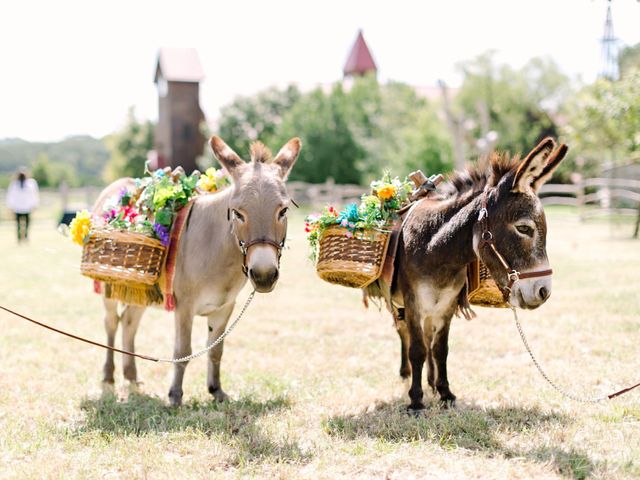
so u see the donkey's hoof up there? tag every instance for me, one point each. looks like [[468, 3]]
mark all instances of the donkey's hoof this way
[[448, 401], [175, 398], [108, 389], [218, 394]]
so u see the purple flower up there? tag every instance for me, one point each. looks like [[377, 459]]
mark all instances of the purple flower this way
[[162, 233]]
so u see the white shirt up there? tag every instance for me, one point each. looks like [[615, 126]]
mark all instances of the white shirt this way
[[23, 199]]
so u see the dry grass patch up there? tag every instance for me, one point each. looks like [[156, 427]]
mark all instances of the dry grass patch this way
[[313, 377]]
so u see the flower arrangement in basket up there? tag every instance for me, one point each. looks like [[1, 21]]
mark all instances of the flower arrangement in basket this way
[[348, 247], [125, 244]]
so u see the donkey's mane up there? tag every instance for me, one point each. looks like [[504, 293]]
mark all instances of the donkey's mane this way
[[486, 172], [260, 153]]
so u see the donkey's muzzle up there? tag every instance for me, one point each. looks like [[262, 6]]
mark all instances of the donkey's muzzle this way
[[264, 279]]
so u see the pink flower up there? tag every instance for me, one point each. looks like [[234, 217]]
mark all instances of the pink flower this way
[[349, 234]]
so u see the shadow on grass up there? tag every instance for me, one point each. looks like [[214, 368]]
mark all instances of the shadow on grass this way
[[233, 423], [468, 426]]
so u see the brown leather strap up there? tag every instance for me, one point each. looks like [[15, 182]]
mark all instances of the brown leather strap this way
[[538, 273], [85, 340], [623, 391], [266, 241]]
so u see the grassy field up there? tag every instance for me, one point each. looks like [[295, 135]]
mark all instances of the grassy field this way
[[313, 377]]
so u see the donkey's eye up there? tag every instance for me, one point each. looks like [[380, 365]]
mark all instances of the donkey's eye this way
[[283, 212], [525, 230], [238, 216]]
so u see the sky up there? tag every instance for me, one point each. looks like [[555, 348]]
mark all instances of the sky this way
[[74, 67]]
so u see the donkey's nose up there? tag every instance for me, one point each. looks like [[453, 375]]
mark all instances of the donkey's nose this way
[[264, 278], [543, 293]]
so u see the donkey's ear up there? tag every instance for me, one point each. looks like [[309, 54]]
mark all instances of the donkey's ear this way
[[532, 166], [225, 155], [287, 156], [552, 163]]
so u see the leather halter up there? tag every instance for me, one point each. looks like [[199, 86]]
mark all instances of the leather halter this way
[[245, 246], [487, 239]]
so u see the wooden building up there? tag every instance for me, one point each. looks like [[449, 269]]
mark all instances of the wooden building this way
[[178, 140]]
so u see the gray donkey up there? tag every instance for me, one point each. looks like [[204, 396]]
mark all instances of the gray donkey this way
[[230, 236]]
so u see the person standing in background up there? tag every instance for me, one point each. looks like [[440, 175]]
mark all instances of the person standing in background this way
[[22, 198]]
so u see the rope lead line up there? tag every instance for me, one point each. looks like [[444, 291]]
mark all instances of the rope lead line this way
[[560, 390], [217, 341], [139, 355]]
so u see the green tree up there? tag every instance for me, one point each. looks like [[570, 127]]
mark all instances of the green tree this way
[[629, 59], [129, 148], [398, 130], [604, 122], [256, 117], [329, 147], [49, 174], [520, 104], [41, 171]]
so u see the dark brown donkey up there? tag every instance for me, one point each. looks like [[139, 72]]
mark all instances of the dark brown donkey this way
[[492, 203]]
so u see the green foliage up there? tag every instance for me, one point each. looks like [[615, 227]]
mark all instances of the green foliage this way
[[349, 135], [129, 148], [329, 147], [519, 103], [255, 118], [49, 174], [398, 130], [604, 122], [629, 59], [78, 160]]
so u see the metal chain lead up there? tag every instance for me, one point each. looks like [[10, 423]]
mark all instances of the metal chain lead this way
[[545, 376], [216, 342]]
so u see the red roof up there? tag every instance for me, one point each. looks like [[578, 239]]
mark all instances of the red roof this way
[[360, 60]]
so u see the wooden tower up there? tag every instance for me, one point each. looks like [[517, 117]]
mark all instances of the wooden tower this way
[[178, 140]]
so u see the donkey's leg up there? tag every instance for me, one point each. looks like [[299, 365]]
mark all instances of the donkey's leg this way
[[130, 321], [403, 333], [440, 351], [428, 340], [182, 348], [217, 322], [417, 352], [111, 320]]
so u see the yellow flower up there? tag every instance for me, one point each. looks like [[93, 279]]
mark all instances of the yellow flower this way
[[386, 191], [80, 227], [207, 181]]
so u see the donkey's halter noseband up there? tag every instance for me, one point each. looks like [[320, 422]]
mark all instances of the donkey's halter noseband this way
[[245, 246], [487, 239]]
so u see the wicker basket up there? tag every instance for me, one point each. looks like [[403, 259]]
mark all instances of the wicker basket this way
[[351, 261], [124, 258], [483, 290]]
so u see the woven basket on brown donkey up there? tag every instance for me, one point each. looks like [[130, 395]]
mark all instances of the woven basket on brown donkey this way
[[232, 236], [490, 211]]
